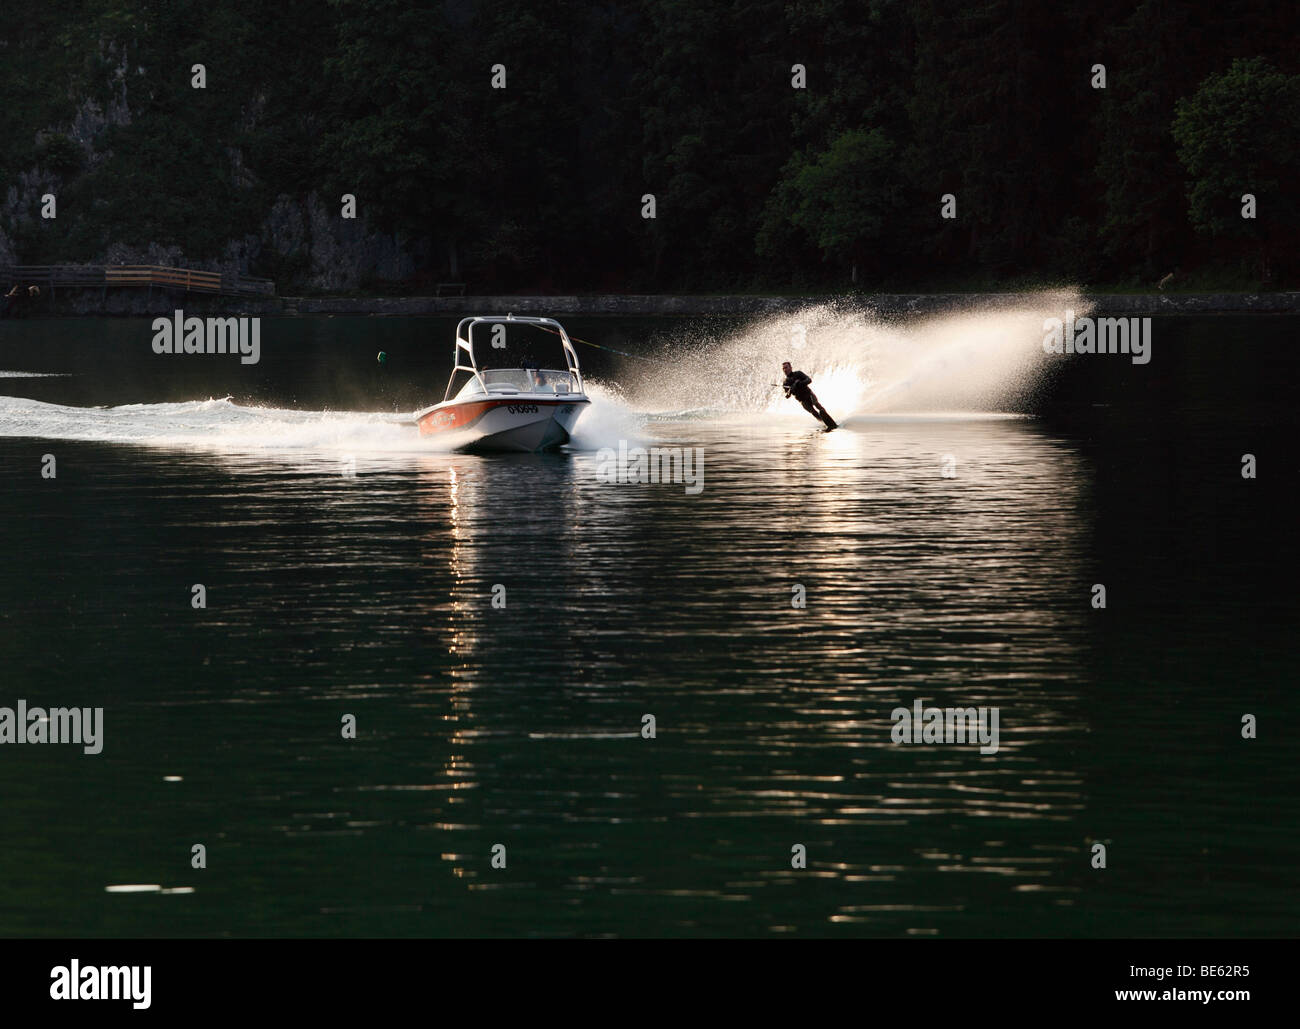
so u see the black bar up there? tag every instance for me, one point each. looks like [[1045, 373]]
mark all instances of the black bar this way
[[869, 977]]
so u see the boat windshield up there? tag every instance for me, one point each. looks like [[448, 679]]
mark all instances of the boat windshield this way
[[470, 388], [528, 380]]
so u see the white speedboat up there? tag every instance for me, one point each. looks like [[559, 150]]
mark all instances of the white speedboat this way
[[522, 408]]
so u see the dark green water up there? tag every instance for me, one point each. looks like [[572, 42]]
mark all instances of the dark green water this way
[[371, 596]]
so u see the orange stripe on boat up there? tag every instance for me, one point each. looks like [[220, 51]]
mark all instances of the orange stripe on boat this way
[[462, 416]]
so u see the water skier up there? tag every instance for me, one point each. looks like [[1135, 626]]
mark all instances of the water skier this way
[[796, 385]]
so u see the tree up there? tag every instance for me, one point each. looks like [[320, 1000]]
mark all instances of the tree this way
[[842, 198], [401, 118], [1240, 133]]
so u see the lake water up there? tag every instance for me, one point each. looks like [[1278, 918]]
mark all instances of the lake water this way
[[946, 540]]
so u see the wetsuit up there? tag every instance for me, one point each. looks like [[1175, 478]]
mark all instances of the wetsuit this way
[[796, 385]]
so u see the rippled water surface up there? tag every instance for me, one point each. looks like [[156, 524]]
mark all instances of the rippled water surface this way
[[521, 725]]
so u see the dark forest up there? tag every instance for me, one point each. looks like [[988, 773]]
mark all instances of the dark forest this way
[[765, 177]]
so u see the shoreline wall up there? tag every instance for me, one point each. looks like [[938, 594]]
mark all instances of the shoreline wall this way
[[94, 302]]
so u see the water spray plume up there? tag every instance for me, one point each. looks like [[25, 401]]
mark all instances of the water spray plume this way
[[861, 363]]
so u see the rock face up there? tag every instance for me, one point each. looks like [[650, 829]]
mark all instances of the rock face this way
[[91, 118], [329, 253], [303, 238], [23, 197], [338, 253]]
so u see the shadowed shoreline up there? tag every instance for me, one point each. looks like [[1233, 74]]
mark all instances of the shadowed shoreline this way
[[77, 303]]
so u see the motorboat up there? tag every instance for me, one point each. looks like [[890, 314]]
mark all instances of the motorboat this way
[[525, 407]]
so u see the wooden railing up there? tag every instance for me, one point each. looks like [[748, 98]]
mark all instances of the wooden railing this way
[[89, 276], [144, 275]]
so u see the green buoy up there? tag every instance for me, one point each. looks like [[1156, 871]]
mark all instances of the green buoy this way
[[382, 357]]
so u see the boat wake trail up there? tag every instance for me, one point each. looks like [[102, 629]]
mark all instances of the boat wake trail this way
[[210, 424], [223, 425], [862, 364]]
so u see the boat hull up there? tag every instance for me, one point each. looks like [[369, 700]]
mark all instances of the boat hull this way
[[517, 423]]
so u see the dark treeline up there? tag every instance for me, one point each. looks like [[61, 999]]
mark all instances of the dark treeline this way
[[757, 184]]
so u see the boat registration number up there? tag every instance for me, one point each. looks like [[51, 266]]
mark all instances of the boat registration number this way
[[522, 408]]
